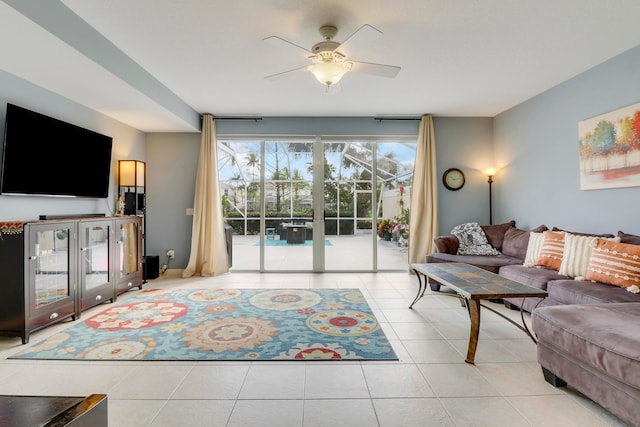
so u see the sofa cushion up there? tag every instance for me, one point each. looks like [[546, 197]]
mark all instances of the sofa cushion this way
[[582, 234], [446, 244], [472, 240], [489, 263], [533, 248], [495, 233], [615, 264], [577, 253], [540, 229], [629, 238], [552, 250], [595, 335], [516, 241], [531, 303], [588, 292], [536, 277]]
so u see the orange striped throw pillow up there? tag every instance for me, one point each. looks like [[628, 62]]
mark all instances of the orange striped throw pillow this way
[[615, 264], [577, 253], [552, 250]]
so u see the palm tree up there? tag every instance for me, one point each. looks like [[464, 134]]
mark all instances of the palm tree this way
[[297, 186], [252, 162]]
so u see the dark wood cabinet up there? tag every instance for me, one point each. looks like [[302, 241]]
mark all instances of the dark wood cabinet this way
[[52, 270], [38, 265]]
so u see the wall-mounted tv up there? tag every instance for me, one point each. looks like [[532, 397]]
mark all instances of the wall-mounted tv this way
[[46, 156]]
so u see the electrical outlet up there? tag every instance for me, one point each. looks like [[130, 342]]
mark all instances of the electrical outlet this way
[[171, 254]]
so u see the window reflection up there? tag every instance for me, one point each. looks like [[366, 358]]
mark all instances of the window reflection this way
[[95, 255], [128, 248], [52, 266]]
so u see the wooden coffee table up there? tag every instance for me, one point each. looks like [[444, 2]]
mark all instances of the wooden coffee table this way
[[472, 284]]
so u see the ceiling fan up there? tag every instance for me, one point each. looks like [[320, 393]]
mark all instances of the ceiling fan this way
[[331, 60]]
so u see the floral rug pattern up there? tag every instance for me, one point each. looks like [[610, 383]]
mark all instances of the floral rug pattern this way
[[225, 324]]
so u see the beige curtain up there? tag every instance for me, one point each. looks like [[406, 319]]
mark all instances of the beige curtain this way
[[208, 244], [423, 223]]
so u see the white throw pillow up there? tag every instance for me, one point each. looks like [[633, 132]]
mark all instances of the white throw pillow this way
[[533, 248], [577, 252]]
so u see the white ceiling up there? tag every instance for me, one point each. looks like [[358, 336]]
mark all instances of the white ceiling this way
[[458, 57]]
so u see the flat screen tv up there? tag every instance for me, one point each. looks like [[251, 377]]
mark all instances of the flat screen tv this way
[[46, 156]]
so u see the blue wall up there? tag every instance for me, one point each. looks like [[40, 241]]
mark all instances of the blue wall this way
[[536, 144], [172, 160], [465, 143]]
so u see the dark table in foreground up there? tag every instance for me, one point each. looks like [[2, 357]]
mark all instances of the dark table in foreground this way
[[473, 284], [53, 411]]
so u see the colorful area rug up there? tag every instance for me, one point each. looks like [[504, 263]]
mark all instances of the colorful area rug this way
[[225, 324], [274, 242]]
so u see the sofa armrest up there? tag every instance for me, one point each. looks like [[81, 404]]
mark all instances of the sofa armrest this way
[[446, 244]]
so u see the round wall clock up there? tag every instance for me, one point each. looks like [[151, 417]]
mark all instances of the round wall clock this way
[[453, 179]]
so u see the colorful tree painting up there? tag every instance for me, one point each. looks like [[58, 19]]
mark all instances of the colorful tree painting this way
[[609, 149]]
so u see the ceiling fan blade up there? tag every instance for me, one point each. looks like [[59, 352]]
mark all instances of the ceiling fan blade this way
[[282, 43], [375, 69], [363, 36], [285, 73]]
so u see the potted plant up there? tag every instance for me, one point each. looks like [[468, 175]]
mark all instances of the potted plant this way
[[384, 229], [402, 234], [402, 227]]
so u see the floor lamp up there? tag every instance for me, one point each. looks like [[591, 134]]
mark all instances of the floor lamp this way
[[132, 178], [490, 172]]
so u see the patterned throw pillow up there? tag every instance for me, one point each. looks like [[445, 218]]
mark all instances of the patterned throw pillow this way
[[533, 249], [577, 253], [615, 264], [552, 250], [472, 240]]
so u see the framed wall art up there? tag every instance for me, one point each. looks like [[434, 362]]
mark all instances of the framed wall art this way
[[609, 147]]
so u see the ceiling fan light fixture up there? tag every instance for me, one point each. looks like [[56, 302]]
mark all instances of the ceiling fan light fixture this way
[[329, 73], [329, 58]]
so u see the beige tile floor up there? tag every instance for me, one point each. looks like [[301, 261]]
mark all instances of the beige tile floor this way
[[430, 385]]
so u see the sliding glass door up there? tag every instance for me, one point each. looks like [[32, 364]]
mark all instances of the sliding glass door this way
[[288, 205], [303, 204], [394, 169], [240, 171], [349, 200]]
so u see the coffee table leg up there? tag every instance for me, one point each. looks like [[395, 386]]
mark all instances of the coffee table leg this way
[[421, 288], [474, 312]]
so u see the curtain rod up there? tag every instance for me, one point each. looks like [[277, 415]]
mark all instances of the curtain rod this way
[[255, 119], [396, 118]]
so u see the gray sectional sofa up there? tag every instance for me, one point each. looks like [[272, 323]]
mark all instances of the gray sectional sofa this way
[[587, 332]]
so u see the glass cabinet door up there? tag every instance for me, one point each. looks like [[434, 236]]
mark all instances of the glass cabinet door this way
[[95, 255], [52, 276], [128, 247]]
